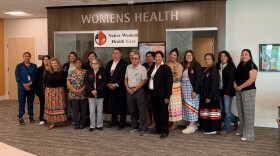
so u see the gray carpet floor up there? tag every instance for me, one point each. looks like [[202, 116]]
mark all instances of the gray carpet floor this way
[[67, 141]]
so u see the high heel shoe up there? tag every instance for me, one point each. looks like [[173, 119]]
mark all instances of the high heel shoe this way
[[173, 126]]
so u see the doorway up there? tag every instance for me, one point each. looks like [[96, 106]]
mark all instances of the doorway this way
[[16, 48]]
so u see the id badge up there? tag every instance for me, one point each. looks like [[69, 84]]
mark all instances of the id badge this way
[[28, 77]]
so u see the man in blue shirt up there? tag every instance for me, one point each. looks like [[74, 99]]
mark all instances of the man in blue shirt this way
[[25, 74]]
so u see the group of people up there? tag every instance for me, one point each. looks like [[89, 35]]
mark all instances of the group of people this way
[[158, 94]]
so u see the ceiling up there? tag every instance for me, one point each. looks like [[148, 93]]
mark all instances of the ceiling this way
[[37, 8]]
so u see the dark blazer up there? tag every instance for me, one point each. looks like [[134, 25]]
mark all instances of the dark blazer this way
[[39, 80], [228, 79], [118, 75], [210, 84], [65, 67], [195, 76], [101, 81], [162, 81]]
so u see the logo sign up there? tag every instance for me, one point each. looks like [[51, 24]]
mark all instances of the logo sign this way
[[100, 38], [116, 38]]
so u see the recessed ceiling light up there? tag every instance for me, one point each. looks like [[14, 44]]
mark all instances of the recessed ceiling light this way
[[17, 13]]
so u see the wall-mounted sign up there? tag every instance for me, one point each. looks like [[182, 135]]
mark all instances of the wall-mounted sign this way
[[116, 38], [160, 16]]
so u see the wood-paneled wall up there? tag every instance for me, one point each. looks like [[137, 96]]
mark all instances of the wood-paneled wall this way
[[2, 58], [191, 14]]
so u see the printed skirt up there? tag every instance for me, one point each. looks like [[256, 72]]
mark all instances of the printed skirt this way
[[190, 106], [55, 109], [210, 116], [175, 105]]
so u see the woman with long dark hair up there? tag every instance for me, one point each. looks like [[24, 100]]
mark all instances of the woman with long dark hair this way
[[40, 86], [227, 71], [191, 82], [246, 74], [175, 105]]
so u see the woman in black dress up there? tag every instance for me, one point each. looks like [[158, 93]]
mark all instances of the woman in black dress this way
[[40, 86]]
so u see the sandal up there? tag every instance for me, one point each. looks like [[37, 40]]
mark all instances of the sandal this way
[[51, 126]]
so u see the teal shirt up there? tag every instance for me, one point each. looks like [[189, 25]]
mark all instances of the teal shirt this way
[[25, 74]]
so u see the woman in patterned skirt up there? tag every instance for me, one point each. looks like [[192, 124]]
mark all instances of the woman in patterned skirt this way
[[191, 81], [55, 109], [210, 113], [175, 105]]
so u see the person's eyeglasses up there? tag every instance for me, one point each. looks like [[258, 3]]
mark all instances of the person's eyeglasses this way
[[94, 63], [134, 58]]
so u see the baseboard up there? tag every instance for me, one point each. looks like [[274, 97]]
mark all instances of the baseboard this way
[[2, 98]]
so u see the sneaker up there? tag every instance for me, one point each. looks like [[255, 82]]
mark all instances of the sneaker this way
[[243, 139], [100, 128], [31, 119], [143, 132], [21, 121], [238, 134], [189, 129], [210, 133], [132, 129], [41, 122], [223, 132]]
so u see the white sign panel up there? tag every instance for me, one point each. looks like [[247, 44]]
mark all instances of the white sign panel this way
[[116, 38]]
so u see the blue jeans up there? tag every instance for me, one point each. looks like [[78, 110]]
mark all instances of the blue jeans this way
[[24, 95], [229, 117], [96, 105]]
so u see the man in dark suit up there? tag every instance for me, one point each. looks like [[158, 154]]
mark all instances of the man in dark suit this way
[[115, 71]]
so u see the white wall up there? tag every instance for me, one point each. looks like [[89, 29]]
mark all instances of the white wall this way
[[26, 28], [248, 24]]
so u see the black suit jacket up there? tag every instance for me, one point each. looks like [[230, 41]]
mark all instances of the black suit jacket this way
[[228, 79], [162, 81], [118, 75]]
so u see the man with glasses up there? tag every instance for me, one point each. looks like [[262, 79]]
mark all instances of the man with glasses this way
[[135, 79]]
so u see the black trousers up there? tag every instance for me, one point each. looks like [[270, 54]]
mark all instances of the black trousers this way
[[118, 106], [161, 115], [79, 108], [137, 105], [42, 107]]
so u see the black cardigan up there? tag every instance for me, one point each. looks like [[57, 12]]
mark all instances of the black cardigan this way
[[228, 79], [101, 81], [39, 79], [195, 76], [210, 84], [162, 81]]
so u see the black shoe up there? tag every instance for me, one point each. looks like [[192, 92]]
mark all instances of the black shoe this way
[[163, 135], [21, 121], [112, 124], [91, 129], [31, 119], [100, 128], [155, 132], [121, 127], [82, 127], [77, 127]]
